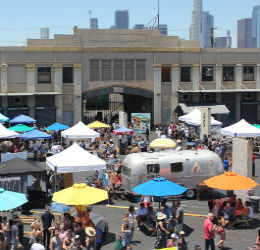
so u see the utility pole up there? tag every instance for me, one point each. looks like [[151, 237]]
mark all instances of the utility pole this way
[[212, 37]]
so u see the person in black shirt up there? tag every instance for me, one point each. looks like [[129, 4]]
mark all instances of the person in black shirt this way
[[47, 221]]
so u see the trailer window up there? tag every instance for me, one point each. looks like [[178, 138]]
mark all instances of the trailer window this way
[[176, 167], [125, 170], [153, 169]]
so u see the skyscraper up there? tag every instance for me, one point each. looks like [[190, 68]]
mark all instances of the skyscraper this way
[[44, 33], [93, 23], [195, 28], [122, 19], [138, 26], [201, 24], [256, 27], [207, 22], [163, 29], [244, 33]]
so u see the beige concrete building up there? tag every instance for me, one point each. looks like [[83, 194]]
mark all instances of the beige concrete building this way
[[99, 72]]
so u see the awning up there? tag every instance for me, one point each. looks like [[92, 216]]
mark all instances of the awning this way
[[218, 90], [215, 109], [30, 94]]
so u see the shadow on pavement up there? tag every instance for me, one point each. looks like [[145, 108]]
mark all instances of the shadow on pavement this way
[[188, 230], [111, 237], [255, 223]]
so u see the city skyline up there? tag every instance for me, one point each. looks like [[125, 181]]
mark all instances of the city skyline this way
[[21, 23]]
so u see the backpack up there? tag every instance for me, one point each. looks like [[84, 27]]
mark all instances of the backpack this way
[[119, 245]]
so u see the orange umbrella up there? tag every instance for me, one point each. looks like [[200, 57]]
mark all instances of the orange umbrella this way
[[231, 181]]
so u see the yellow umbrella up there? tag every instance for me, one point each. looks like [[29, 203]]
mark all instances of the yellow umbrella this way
[[98, 124], [163, 143], [80, 194]]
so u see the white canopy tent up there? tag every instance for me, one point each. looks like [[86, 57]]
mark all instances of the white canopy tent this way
[[79, 131], [5, 133], [197, 122], [193, 114], [241, 129], [75, 159]]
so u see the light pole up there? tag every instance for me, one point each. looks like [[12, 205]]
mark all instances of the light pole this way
[[158, 14]]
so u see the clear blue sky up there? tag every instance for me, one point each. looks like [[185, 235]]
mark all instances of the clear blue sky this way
[[22, 19]]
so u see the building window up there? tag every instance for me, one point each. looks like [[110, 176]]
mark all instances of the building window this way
[[67, 74], [228, 74], [207, 74], [176, 167], [118, 70], [185, 97], [207, 97], [140, 70], [44, 74], [94, 70], [17, 100], [166, 74], [248, 73], [185, 74], [129, 70], [106, 70]]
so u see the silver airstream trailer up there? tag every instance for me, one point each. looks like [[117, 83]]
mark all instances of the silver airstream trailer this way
[[187, 167]]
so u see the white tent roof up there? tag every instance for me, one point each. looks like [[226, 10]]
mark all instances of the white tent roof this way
[[79, 131], [197, 122], [75, 159], [193, 114], [5, 133], [241, 129]]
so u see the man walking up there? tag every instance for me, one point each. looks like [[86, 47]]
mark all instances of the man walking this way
[[14, 235], [179, 217], [209, 232], [47, 221]]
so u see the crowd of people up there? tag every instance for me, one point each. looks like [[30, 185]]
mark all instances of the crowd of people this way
[[66, 233], [166, 223]]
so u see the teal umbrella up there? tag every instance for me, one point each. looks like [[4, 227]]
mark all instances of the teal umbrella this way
[[256, 125], [10, 200], [20, 128]]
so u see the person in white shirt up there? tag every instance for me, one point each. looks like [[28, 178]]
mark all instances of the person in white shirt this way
[[249, 210], [141, 215], [37, 245]]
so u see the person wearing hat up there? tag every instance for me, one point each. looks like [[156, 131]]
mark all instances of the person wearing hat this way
[[197, 246], [173, 240], [182, 243], [90, 238], [161, 237]]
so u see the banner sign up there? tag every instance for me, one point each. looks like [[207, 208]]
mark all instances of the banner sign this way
[[141, 121]]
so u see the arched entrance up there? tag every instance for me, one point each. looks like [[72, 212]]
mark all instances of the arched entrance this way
[[105, 103]]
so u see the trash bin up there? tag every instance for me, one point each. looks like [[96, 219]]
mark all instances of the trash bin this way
[[255, 203]]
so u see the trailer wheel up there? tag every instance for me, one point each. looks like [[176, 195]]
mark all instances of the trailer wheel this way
[[190, 193]]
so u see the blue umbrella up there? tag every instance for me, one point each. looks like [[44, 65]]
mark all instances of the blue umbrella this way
[[123, 131], [10, 200], [56, 126], [59, 207], [159, 187], [35, 134], [22, 119]]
